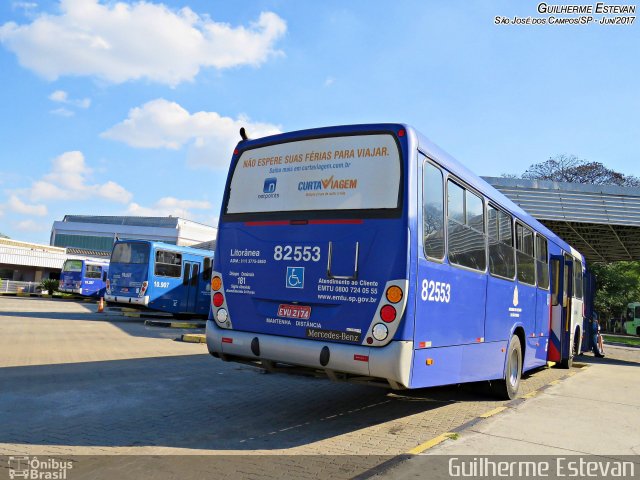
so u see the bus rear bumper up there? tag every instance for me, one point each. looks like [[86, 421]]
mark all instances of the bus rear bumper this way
[[357, 363], [70, 290], [144, 301]]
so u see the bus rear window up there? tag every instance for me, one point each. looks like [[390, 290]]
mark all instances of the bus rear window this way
[[130, 253], [72, 266], [360, 172]]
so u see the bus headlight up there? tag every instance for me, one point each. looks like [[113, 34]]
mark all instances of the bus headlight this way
[[222, 315], [380, 331]]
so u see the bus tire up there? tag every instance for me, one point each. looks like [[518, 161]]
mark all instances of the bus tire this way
[[575, 347], [507, 388]]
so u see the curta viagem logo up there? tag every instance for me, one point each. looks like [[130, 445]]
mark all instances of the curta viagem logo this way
[[330, 183]]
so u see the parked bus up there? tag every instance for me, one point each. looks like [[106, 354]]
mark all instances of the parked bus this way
[[86, 277], [367, 253], [160, 276], [632, 322]]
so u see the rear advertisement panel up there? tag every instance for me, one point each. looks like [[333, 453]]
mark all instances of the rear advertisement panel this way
[[335, 173]]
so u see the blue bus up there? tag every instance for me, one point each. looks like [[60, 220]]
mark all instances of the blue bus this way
[[367, 253], [86, 277], [160, 276]]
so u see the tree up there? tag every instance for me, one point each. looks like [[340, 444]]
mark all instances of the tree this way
[[617, 285], [569, 168]]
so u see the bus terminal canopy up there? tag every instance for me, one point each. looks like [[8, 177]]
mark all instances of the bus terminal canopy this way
[[601, 221]]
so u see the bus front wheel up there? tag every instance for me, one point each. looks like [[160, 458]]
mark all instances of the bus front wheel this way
[[507, 388]]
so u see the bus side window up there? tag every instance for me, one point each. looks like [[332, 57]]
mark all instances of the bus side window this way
[[187, 274], [577, 279], [500, 232], [542, 260], [168, 264], [206, 270], [555, 274], [465, 224], [194, 273], [433, 212], [92, 271], [524, 255]]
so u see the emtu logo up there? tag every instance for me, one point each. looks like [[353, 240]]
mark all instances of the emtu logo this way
[[270, 185]]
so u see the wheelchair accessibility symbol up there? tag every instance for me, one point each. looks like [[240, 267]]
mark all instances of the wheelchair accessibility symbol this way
[[295, 277]]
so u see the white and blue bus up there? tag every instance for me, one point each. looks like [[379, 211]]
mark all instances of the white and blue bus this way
[[85, 277], [367, 253], [160, 276]]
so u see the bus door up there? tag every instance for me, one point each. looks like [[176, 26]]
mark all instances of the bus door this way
[[190, 286], [560, 308], [588, 292]]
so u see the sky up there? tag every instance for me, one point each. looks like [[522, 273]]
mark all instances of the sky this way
[[133, 107]]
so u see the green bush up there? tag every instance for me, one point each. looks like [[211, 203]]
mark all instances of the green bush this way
[[49, 285]]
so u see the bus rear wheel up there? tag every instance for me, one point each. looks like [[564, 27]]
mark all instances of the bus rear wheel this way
[[575, 348], [507, 388]]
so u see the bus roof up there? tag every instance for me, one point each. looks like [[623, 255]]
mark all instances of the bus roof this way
[[431, 150], [169, 246]]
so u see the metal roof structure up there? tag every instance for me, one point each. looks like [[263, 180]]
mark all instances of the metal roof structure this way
[[96, 233], [601, 221]]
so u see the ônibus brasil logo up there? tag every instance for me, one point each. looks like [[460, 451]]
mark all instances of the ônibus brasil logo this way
[[328, 184]]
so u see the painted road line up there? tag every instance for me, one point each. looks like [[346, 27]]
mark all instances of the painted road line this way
[[493, 412], [431, 443]]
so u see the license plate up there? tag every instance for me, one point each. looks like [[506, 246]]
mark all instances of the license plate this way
[[124, 290], [294, 311]]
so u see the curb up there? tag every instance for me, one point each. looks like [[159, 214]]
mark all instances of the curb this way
[[194, 338], [168, 324], [48, 297], [455, 432], [616, 344]]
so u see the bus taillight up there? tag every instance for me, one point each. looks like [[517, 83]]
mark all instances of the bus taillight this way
[[388, 313], [222, 315], [108, 286], [394, 294], [218, 299], [380, 332], [216, 283], [145, 285]]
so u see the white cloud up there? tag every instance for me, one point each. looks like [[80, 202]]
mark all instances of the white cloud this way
[[18, 206], [69, 180], [163, 124], [60, 96], [27, 6], [329, 81], [30, 226], [117, 42], [170, 206], [62, 112]]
